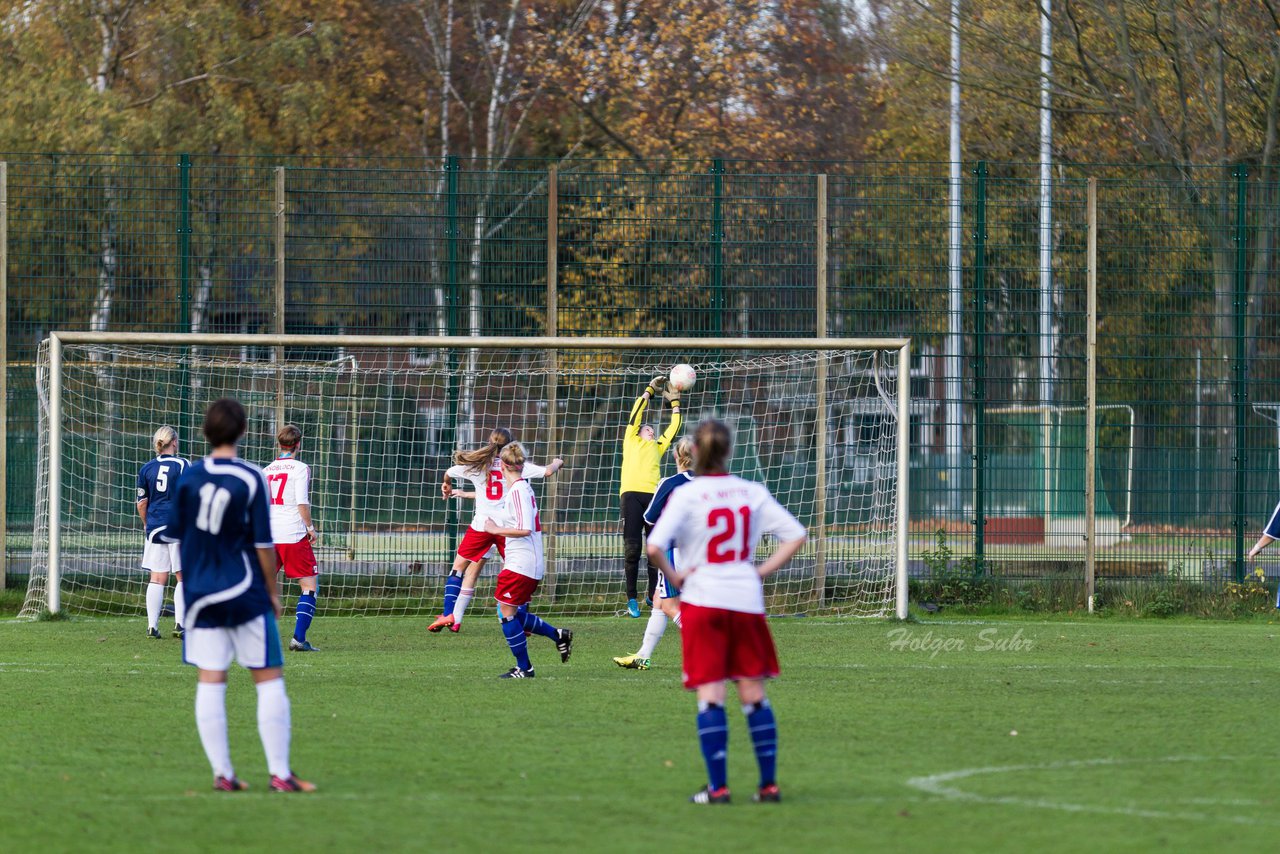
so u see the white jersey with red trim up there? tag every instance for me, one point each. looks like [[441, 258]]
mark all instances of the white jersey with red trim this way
[[490, 489], [524, 554], [288, 484], [716, 523]]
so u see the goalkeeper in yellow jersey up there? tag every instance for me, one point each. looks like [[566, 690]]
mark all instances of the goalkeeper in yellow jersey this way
[[642, 451]]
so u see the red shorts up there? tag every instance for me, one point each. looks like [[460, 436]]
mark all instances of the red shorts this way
[[475, 544], [298, 560], [514, 589], [721, 644]]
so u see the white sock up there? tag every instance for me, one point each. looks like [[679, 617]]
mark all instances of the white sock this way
[[211, 722], [274, 726], [179, 606], [653, 632], [460, 605], [155, 601], [676, 620]]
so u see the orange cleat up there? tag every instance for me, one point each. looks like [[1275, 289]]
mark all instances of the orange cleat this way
[[442, 621]]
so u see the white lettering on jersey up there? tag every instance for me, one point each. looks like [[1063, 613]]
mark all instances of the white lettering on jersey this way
[[490, 489], [716, 523], [288, 485]]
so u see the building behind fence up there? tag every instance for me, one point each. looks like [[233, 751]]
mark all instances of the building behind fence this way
[[1188, 376]]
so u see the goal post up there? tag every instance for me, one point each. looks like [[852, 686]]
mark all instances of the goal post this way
[[381, 416]]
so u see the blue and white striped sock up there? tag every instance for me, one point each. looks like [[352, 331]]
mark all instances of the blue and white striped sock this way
[[713, 735], [764, 737], [452, 584], [537, 625], [305, 613], [513, 631]]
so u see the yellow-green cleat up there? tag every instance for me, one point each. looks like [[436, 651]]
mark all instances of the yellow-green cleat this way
[[632, 662]]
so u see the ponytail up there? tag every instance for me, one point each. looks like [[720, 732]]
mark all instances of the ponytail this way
[[481, 459]]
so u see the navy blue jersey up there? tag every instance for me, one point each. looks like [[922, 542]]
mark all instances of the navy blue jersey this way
[[157, 484], [220, 516], [659, 500]]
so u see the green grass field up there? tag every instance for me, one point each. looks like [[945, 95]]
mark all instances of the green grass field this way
[[1130, 736]]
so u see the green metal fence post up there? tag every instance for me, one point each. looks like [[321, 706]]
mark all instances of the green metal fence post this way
[[185, 427], [979, 364], [718, 306], [1241, 393]]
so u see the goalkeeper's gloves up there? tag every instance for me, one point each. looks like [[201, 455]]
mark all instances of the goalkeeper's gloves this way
[[654, 385], [673, 397]]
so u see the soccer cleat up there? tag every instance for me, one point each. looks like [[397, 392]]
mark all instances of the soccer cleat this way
[[633, 608], [564, 643], [153, 633], [455, 626], [767, 794], [296, 645], [632, 662], [441, 621], [229, 784], [291, 784], [710, 796], [178, 632], [517, 673]]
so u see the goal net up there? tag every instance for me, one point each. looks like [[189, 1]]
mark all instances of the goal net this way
[[381, 418]]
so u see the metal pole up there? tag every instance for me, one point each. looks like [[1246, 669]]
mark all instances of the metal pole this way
[[553, 373], [279, 325], [718, 306], [1241, 362], [954, 435], [904, 472], [1091, 400], [980, 365], [53, 577], [820, 415], [184, 294], [4, 371], [453, 234], [1048, 336]]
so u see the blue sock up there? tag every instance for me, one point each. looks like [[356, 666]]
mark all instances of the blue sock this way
[[535, 624], [513, 631], [452, 584], [713, 733], [305, 612], [764, 737]]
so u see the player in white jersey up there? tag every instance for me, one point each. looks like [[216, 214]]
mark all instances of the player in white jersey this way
[[482, 467], [293, 530], [522, 568], [716, 521], [157, 483]]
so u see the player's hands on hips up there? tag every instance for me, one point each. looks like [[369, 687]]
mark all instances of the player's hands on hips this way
[[490, 526]]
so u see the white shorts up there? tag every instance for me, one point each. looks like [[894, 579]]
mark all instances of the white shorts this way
[[253, 645], [160, 557]]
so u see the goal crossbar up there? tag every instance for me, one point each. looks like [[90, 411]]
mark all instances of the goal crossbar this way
[[901, 346]]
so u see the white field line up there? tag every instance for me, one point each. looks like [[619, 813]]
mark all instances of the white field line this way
[[941, 786]]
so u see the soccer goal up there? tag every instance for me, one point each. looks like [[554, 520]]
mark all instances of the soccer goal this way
[[382, 415]]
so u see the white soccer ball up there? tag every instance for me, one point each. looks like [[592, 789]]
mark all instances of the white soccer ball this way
[[682, 378]]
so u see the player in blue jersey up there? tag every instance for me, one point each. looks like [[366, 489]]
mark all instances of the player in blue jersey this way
[[666, 597], [157, 483], [1270, 534], [222, 520]]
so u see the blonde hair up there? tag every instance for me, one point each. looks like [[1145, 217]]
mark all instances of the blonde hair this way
[[289, 437], [513, 454], [481, 459], [163, 438], [683, 451]]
